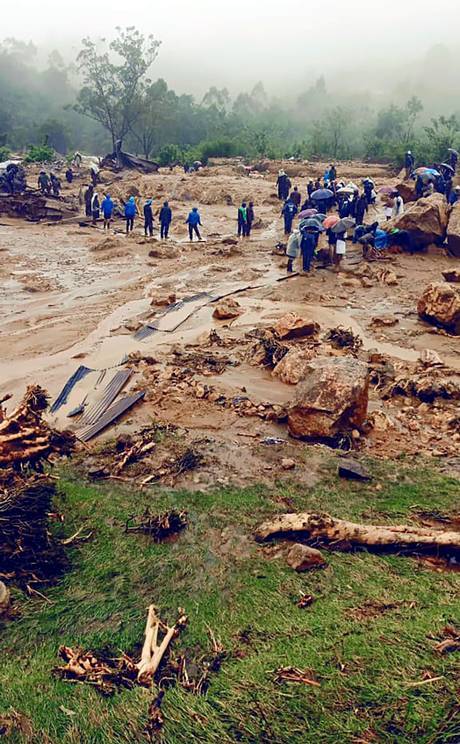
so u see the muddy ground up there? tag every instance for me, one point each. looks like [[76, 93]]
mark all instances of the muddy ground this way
[[73, 295]]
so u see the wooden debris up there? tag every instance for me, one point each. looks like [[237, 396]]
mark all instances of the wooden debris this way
[[451, 641], [152, 651], [339, 533], [342, 338], [306, 600], [294, 675], [158, 526], [25, 438], [111, 674]]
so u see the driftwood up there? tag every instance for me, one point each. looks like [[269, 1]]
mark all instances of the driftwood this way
[[324, 528], [152, 651], [25, 438]]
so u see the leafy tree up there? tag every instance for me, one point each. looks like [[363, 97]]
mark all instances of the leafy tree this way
[[55, 134], [112, 92], [442, 133]]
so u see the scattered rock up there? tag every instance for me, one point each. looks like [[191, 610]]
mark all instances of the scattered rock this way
[[163, 300], [229, 240], [292, 325], [440, 305], [303, 558], [385, 320], [287, 463], [291, 369], [407, 191], [452, 275], [227, 309], [332, 399], [353, 470]]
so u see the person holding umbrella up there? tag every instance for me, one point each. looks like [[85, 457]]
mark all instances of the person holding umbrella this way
[[289, 211], [307, 247], [321, 199], [292, 250]]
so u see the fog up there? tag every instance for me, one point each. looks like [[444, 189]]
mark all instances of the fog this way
[[370, 45]]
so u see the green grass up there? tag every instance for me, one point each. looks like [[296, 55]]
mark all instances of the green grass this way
[[366, 662]]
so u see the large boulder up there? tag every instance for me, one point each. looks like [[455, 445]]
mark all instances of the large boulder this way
[[227, 309], [453, 231], [292, 325], [332, 399], [426, 221], [440, 305]]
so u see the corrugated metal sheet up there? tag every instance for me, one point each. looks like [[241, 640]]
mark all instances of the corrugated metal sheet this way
[[109, 416], [107, 397], [80, 373]]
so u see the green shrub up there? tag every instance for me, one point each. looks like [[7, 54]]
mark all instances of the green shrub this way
[[220, 148], [170, 154], [4, 153], [39, 154]]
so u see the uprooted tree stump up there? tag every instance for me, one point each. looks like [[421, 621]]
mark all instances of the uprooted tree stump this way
[[339, 533]]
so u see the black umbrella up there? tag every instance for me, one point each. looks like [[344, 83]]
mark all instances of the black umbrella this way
[[343, 225], [322, 194], [447, 167]]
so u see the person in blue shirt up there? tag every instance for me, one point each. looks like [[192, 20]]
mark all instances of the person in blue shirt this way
[[165, 220], [289, 211], [130, 213], [107, 210], [307, 249], [193, 220]]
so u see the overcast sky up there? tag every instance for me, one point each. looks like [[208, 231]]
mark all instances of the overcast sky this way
[[237, 43]]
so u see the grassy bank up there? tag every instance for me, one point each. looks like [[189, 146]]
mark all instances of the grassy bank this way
[[368, 637]]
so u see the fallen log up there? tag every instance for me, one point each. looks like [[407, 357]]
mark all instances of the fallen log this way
[[324, 528]]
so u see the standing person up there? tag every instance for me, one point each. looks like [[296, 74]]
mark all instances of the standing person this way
[[77, 160], [368, 190], [453, 159], [409, 162], [107, 210], [44, 183], [398, 205], [95, 207], [88, 199], [148, 218], [130, 213], [69, 175], [250, 217], [310, 189], [361, 209], [419, 187], [193, 221], [165, 220], [296, 197], [332, 172], [94, 175], [292, 250], [242, 220], [307, 247], [332, 241], [289, 211], [340, 248], [455, 196], [281, 184], [55, 184], [449, 185]]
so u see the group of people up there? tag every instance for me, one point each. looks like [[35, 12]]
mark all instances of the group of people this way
[[246, 216], [94, 207], [13, 179], [49, 184], [438, 179]]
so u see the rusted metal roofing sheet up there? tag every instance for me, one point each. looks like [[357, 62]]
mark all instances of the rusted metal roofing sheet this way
[[114, 412], [107, 397]]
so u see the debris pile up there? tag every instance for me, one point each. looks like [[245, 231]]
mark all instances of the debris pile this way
[[342, 338], [158, 526], [33, 206]]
